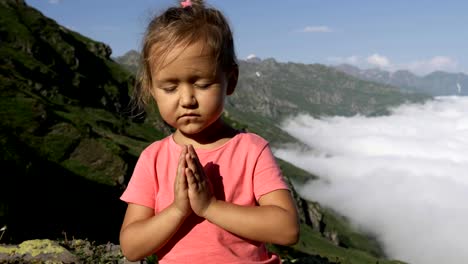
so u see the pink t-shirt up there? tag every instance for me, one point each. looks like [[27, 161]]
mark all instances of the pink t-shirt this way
[[241, 171]]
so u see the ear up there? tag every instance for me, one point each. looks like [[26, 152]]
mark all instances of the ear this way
[[233, 76]]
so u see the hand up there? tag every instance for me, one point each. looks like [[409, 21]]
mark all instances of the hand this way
[[181, 198], [199, 187]]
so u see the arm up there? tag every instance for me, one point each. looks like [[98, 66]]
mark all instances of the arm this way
[[143, 232], [275, 220]]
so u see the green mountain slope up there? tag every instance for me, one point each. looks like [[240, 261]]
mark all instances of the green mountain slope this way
[[60, 132], [69, 145]]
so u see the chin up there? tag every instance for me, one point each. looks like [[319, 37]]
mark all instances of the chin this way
[[191, 131]]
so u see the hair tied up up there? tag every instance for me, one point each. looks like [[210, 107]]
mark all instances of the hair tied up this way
[[186, 3]]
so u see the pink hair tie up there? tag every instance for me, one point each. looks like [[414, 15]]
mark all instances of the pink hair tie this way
[[186, 3]]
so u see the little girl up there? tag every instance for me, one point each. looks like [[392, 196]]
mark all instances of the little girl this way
[[207, 193]]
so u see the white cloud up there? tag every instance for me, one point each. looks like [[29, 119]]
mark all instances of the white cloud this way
[[437, 63], [378, 60], [316, 29], [371, 61], [420, 67], [354, 60], [251, 56], [402, 177]]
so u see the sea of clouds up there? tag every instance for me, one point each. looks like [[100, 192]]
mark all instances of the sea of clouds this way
[[402, 177]]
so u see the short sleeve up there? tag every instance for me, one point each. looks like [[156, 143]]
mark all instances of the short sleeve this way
[[142, 186], [267, 174]]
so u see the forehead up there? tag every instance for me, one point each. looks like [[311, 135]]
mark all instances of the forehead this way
[[185, 55]]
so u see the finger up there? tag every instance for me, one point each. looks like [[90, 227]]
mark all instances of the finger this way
[[180, 177], [194, 163], [191, 164], [183, 153], [194, 174], [191, 180], [194, 155], [182, 181]]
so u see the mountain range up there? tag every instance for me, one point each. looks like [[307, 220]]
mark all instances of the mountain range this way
[[437, 83], [269, 92], [69, 140]]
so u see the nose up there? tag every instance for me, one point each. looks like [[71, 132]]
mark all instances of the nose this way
[[187, 96]]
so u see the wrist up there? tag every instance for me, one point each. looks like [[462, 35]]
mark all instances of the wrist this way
[[211, 209], [176, 213]]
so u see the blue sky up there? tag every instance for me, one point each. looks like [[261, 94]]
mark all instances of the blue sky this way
[[421, 36]]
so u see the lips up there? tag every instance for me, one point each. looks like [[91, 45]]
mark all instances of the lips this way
[[189, 115]]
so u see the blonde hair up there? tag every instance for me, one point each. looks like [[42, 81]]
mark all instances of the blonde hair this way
[[182, 26]]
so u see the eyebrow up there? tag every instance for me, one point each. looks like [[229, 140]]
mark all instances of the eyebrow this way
[[166, 80], [193, 76]]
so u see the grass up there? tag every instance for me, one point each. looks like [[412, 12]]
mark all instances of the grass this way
[[312, 242]]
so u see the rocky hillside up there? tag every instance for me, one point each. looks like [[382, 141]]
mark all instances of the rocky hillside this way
[[65, 147], [69, 144], [436, 83]]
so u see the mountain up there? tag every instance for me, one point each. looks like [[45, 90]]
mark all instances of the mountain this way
[[64, 135], [130, 59], [69, 141], [49, 126], [437, 83], [269, 92]]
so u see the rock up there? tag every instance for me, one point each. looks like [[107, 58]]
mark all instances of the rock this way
[[36, 251], [76, 251]]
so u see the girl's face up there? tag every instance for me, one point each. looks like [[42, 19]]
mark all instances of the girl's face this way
[[190, 89]]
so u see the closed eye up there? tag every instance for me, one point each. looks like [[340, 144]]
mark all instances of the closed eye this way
[[169, 89], [202, 85]]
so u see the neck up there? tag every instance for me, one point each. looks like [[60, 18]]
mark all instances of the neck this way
[[213, 136]]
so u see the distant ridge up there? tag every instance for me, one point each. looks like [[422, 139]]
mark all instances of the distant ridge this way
[[437, 83], [129, 60]]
